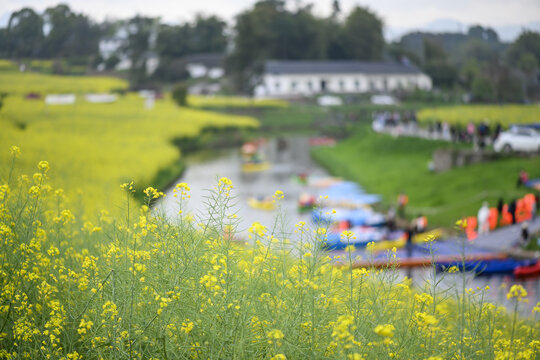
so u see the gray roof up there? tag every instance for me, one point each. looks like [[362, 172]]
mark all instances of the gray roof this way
[[338, 67], [207, 59]]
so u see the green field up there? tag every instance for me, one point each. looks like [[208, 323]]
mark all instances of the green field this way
[[386, 165]]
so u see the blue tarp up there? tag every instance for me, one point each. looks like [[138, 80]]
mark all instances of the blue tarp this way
[[350, 192], [357, 217]]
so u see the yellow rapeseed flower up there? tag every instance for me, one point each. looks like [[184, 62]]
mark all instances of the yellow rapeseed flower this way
[[386, 330], [15, 151], [43, 166], [278, 195], [516, 291]]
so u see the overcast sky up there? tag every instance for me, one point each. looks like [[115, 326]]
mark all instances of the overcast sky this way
[[399, 16]]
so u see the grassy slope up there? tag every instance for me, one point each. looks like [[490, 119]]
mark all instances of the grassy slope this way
[[387, 166]]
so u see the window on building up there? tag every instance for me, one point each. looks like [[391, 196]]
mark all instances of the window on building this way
[[341, 85], [293, 85], [277, 85], [371, 85], [357, 84], [310, 86], [385, 84]]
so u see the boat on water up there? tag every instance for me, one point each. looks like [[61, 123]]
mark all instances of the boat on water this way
[[527, 272], [347, 194], [306, 202], [486, 267], [267, 204], [253, 158], [322, 141], [363, 235], [354, 217], [255, 166]]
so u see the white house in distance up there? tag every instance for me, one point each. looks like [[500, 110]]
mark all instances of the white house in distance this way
[[205, 65], [305, 78]]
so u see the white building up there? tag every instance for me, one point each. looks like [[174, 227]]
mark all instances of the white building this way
[[305, 78], [205, 65]]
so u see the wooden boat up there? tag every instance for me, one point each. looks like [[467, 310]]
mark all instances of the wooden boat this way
[[264, 204], [255, 166]]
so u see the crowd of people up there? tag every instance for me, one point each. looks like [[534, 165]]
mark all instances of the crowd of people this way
[[516, 210], [480, 134]]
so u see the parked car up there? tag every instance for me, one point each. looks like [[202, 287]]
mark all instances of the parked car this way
[[518, 138]]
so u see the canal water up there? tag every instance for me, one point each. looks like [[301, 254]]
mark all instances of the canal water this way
[[290, 156], [287, 156]]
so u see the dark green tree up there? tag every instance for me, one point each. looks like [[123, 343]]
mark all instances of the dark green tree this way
[[527, 42], [24, 33], [208, 35], [140, 30], [71, 35], [482, 89], [363, 35], [270, 31], [179, 95]]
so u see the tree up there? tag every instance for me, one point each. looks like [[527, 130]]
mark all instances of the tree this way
[[140, 30], [433, 52], [71, 35], [482, 89], [173, 41], [527, 42], [483, 33], [208, 35], [469, 72], [528, 63], [179, 95], [270, 31], [205, 35], [510, 87], [24, 33], [336, 9], [479, 50], [443, 74], [363, 35], [437, 65]]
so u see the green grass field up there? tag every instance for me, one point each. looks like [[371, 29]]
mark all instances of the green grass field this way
[[387, 166]]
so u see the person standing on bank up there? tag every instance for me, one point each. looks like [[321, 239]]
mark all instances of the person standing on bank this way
[[483, 215]]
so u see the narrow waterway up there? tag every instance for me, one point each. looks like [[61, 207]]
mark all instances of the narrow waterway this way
[[290, 156]]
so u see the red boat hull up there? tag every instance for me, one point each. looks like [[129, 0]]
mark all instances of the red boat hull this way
[[527, 271]]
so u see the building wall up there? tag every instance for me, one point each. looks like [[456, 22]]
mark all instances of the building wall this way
[[310, 84]]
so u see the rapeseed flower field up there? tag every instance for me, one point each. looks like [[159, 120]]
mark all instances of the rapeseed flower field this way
[[96, 146], [17, 83], [142, 287], [233, 101], [504, 114]]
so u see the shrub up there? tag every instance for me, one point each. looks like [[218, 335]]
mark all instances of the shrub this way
[[179, 95]]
